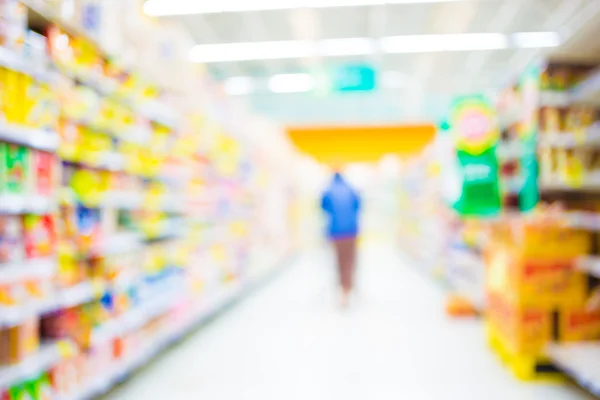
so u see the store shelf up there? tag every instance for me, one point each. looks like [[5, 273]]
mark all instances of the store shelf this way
[[26, 269], [48, 355], [581, 361], [16, 62], [588, 91], [173, 228], [465, 275], [26, 204], [569, 140], [203, 313], [159, 113], [551, 98], [120, 243], [35, 138], [43, 15], [138, 317], [591, 185], [82, 293], [123, 200], [69, 297]]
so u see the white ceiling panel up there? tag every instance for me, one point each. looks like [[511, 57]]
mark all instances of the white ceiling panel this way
[[433, 77]]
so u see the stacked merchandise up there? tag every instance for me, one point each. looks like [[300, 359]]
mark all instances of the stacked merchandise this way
[[542, 272], [122, 221], [536, 295], [568, 130]]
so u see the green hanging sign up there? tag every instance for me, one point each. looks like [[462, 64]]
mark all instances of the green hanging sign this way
[[529, 87], [475, 135]]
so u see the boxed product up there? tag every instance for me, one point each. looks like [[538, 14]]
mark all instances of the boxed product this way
[[44, 173], [40, 388], [524, 330], [14, 168], [545, 283], [12, 96], [579, 324], [19, 342], [40, 235], [20, 392], [12, 246]]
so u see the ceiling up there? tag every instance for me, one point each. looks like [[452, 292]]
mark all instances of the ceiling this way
[[417, 86]]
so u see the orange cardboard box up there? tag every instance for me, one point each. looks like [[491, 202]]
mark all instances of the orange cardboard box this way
[[579, 325], [524, 330]]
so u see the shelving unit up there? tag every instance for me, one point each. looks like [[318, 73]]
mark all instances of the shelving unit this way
[[562, 132], [581, 361], [132, 251]]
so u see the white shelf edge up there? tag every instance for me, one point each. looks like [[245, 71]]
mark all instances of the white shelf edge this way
[[38, 139], [15, 204], [33, 268], [581, 361], [569, 140], [48, 355]]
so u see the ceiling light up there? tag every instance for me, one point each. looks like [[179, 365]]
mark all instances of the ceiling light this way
[[158, 8], [239, 85], [412, 44], [475, 41], [291, 83], [528, 40], [346, 47], [207, 53], [225, 52], [449, 42]]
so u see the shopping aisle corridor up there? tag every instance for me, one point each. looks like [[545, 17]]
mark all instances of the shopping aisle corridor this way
[[289, 341]]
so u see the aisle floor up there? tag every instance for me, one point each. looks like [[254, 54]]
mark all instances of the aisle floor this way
[[290, 341]]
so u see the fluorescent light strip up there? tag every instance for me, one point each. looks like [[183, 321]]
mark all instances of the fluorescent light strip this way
[[533, 40], [159, 8], [252, 51], [346, 47], [363, 46]]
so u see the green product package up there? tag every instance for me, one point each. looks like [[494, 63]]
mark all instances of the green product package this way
[[20, 392], [15, 168], [475, 133], [3, 188], [480, 189], [40, 388]]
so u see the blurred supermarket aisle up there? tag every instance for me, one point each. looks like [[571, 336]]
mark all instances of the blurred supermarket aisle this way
[[289, 341]]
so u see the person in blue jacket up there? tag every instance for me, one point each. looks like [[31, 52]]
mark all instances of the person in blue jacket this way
[[341, 204]]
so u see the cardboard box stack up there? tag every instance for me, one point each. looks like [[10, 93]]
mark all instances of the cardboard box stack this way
[[536, 294]]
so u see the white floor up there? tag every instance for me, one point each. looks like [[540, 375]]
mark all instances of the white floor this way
[[289, 341]]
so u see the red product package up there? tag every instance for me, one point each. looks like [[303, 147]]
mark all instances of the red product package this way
[[40, 236], [44, 172]]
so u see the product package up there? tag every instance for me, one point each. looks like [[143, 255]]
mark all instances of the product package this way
[[40, 235], [14, 168], [12, 247]]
